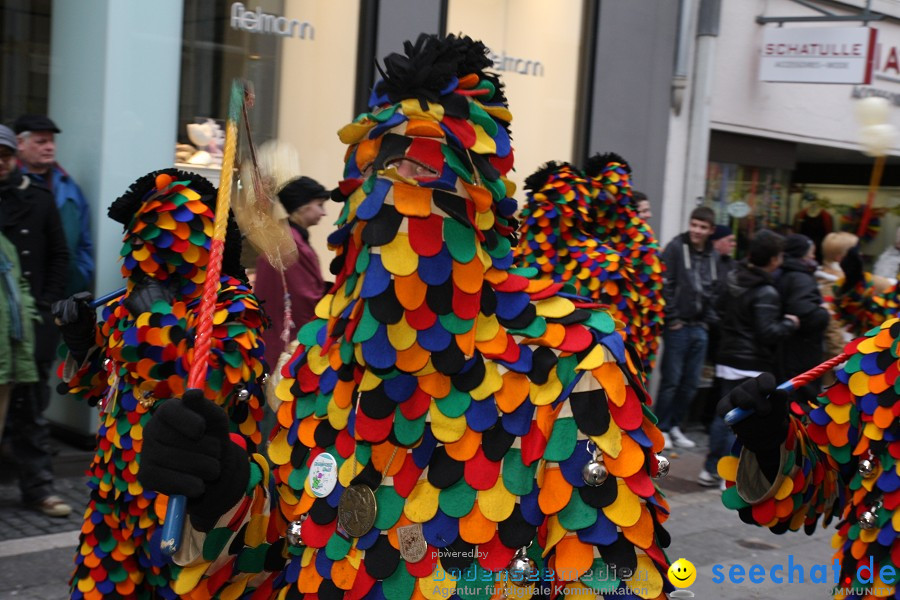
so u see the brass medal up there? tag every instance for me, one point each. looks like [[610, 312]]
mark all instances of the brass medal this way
[[412, 542], [356, 510]]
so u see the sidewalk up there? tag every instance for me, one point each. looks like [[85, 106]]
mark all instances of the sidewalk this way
[[36, 551]]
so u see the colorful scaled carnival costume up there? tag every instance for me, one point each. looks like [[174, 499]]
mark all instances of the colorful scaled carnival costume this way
[[444, 414], [583, 231], [142, 359], [839, 454]]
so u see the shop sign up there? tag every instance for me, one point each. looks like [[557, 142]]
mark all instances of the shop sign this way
[[266, 24], [886, 70], [512, 64], [817, 54]]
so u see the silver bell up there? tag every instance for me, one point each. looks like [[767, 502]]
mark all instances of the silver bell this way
[[293, 532], [243, 394], [866, 468], [868, 520], [594, 473], [662, 466], [264, 379], [521, 568]]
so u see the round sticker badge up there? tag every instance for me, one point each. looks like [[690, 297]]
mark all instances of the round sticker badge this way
[[323, 475]]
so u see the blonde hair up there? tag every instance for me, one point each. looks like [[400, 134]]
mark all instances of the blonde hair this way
[[836, 244]]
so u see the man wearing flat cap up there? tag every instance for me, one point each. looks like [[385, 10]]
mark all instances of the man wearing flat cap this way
[[303, 199], [29, 219], [37, 158]]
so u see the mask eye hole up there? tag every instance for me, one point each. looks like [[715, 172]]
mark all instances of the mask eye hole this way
[[412, 168]]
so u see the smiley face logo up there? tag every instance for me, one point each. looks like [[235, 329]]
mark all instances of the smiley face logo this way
[[682, 573]]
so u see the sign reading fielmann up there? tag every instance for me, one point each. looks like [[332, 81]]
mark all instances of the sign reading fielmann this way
[[817, 54], [259, 22]]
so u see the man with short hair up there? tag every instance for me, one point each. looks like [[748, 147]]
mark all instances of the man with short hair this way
[[29, 219], [689, 287], [37, 158]]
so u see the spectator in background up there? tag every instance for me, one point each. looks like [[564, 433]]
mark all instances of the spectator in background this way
[[753, 324], [641, 205], [724, 243], [303, 199], [689, 288], [29, 219], [800, 296], [37, 158], [888, 263], [17, 317], [834, 248], [708, 396]]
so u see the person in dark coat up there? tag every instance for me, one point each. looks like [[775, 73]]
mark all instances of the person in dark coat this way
[[800, 295], [753, 325], [30, 220]]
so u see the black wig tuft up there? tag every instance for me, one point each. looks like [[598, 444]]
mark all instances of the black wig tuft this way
[[595, 164]]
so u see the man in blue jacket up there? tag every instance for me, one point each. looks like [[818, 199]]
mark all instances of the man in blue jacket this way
[[37, 158]]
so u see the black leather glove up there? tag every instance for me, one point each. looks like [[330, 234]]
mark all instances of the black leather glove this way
[[852, 265], [144, 293], [765, 430], [77, 322], [187, 451]]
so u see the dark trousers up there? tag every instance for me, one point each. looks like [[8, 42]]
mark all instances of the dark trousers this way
[[721, 438], [28, 434], [682, 363]]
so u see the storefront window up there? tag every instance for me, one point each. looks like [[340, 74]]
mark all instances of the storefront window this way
[[223, 41], [538, 65], [24, 57], [749, 198]]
